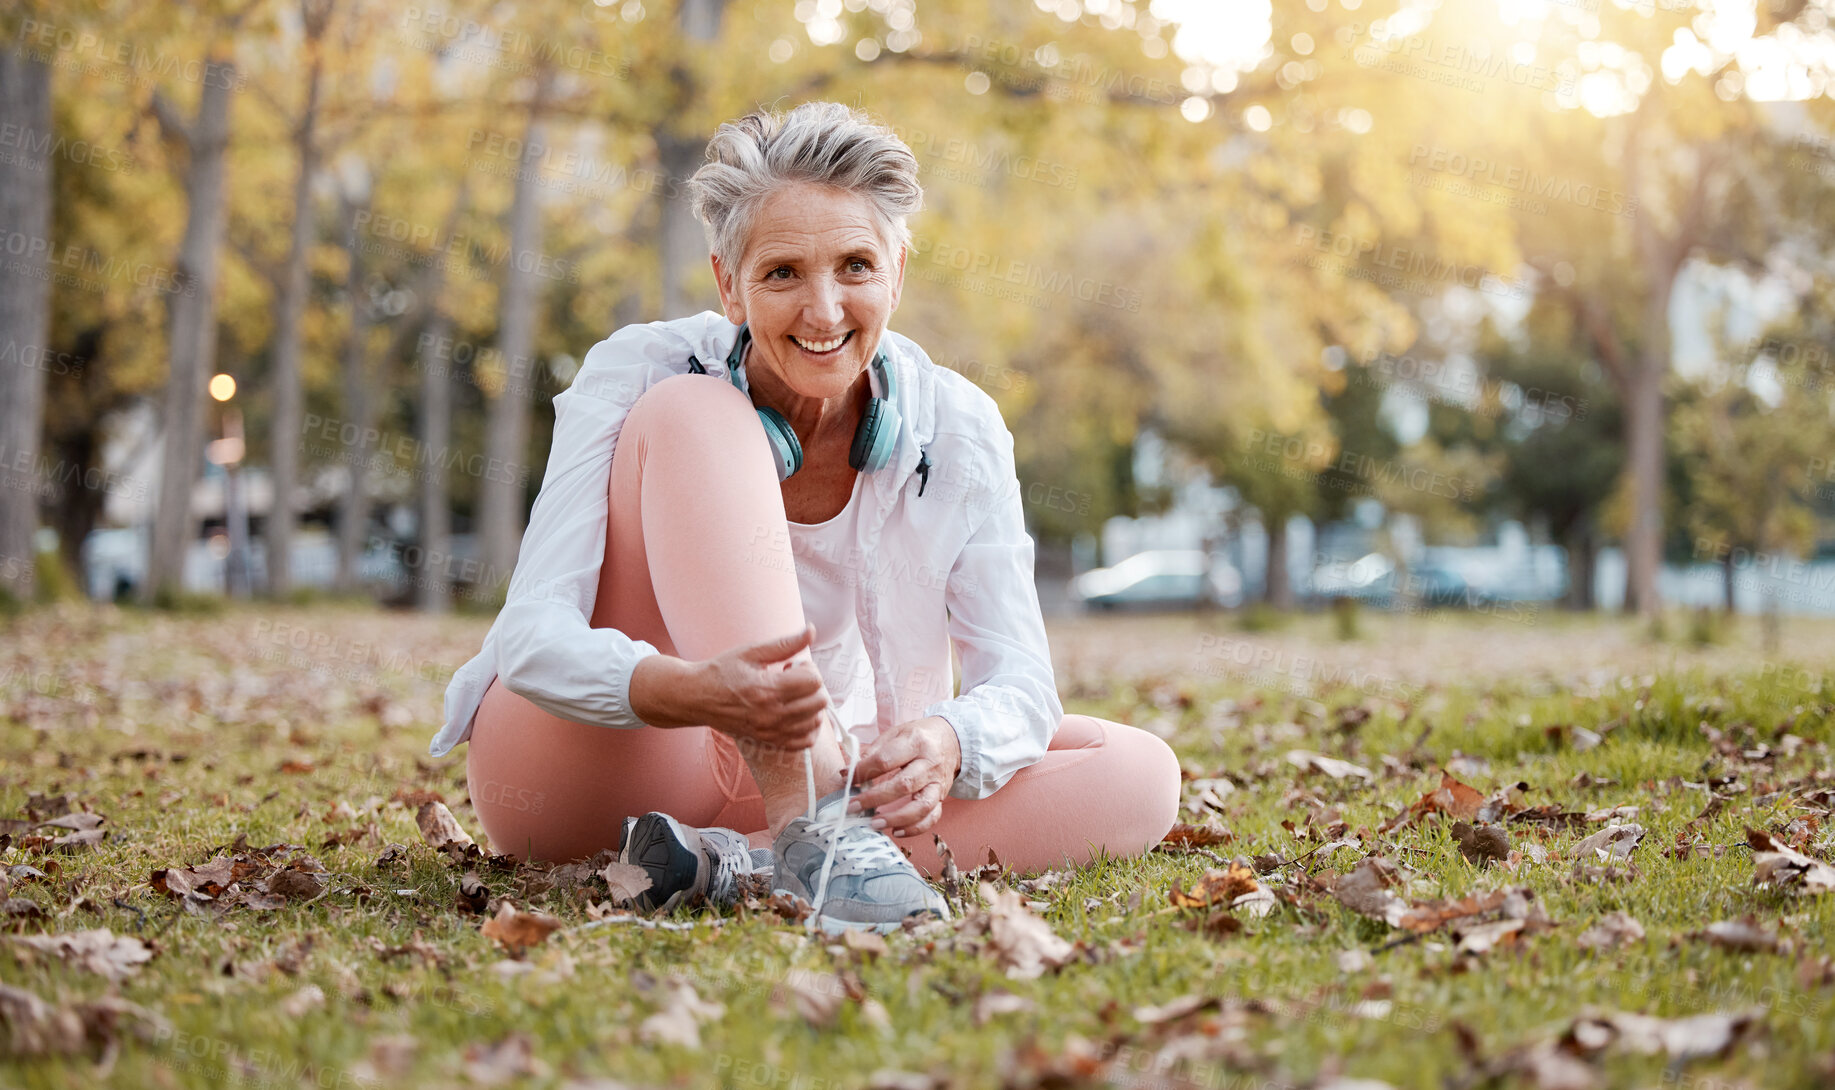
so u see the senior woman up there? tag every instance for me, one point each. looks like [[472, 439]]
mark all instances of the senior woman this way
[[761, 531]]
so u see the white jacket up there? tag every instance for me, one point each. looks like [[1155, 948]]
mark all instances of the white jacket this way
[[952, 564]]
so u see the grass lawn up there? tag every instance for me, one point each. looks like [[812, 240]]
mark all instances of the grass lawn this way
[[220, 735]]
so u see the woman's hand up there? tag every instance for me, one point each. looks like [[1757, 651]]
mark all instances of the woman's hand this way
[[754, 692], [907, 772]]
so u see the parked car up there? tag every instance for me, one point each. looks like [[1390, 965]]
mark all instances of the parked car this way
[[1160, 579], [1370, 578]]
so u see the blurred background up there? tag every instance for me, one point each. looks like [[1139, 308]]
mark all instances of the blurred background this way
[[1495, 306]]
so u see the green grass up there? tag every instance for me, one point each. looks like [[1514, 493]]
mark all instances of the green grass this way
[[176, 727]]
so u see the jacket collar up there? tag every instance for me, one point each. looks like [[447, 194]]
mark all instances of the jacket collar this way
[[711, 337]]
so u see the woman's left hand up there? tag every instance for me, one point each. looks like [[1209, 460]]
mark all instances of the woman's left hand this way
[[907, 772]]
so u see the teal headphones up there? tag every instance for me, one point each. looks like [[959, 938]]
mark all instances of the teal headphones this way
[[874, 439]]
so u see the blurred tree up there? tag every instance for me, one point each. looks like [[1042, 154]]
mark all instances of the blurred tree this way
[[25, 292]]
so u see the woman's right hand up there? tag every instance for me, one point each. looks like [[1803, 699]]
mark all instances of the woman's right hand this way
[[755, 691]]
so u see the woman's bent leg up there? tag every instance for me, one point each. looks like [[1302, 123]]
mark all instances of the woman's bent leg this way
[[1101, 786], [697, 562]]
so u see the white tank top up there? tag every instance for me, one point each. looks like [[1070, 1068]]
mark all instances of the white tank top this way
[[829, 571]]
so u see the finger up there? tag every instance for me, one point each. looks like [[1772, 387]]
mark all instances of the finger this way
[[892, 787], [904, 812], [920, 812], [793, 683], [884, 754]]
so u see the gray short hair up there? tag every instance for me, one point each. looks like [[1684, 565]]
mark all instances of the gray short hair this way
[[823, 142]]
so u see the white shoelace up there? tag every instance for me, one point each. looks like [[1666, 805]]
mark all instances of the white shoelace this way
[[850, 746]]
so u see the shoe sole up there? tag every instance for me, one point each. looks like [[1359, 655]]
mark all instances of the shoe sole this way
[[670, 853]]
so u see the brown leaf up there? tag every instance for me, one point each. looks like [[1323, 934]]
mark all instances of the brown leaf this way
[[1701, 1036], [679, 1020], [627, 881], [511, 1058], [994, 1004], [1217, 887], [81, 822], [1482, 844], [98, 951], [439, 828], [1775, 863], [1308, 760], [1186, 835], [865, 942], [815, 996], [1025, 944], [1365, 891], [1613, 844], [78, 841], [1744, 935], [517, 931], [296, 885], [36, 1028], [1616, 929], [473, 896]]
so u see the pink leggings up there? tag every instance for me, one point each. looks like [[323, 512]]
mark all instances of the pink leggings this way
[[692, 483]]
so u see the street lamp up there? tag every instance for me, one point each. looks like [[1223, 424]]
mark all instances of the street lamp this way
[[227, 452]]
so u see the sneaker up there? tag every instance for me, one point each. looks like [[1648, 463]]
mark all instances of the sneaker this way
[[685, 863], [871, 884]]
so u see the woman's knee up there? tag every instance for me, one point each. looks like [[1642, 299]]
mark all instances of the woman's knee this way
[[691, 404], [1150, 763]]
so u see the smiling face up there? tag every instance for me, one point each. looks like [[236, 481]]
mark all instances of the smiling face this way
[[817, 286]]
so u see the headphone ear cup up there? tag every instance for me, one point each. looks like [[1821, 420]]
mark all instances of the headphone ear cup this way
[[786, 450], [876, 437]]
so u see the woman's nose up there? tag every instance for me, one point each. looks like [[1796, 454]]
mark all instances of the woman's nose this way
[[823, 308]]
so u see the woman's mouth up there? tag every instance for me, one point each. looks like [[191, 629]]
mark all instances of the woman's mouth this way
[[823, 348]]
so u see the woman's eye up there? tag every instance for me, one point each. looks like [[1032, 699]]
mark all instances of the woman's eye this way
[[772, 275], [859, 266]]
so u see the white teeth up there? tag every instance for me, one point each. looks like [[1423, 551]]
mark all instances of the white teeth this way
[[820, 346]]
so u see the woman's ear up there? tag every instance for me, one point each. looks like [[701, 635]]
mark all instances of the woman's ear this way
[[730, 300]]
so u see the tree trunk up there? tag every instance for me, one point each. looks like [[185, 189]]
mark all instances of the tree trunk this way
[[1727, 582], [193, 347], [289, 398], [1580, 564], [433, 585], [682, 242], [503, 489], [25, 314], [353, 505], [1644, 440], [1279, 591]]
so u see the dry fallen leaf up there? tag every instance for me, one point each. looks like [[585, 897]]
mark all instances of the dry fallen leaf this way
[[37, 1028], [815, 996], [1744, 935], [439, 828], [1701, 1036], [627, 881], [511, 1058], [517, 931], [1481, 844], [1024, 943], [1775, 863], [991, 1005], [1217, 887], [679, 1020], [1185, 835], [1331, 766], [1613, 844], [99, 951], [1365, 891], [1616, 929]]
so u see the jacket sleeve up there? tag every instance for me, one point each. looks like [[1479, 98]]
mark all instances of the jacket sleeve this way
[[543, 646], [1009, 708]]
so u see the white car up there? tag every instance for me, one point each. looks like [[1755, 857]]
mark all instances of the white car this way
[[1163, 578]]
